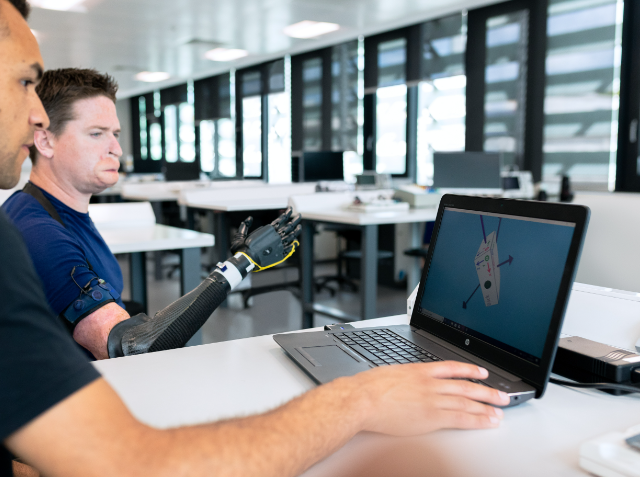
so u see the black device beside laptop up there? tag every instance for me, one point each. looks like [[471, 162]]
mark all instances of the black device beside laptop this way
[[493, 292]]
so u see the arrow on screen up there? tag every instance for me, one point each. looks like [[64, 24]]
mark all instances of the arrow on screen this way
[[506, 261], [464, 303]]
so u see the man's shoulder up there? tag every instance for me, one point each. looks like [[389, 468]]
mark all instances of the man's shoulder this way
[[24, 209]]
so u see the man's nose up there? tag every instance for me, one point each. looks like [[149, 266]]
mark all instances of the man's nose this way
[[38, 116]]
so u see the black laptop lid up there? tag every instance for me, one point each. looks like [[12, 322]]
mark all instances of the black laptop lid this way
[[497, 280]]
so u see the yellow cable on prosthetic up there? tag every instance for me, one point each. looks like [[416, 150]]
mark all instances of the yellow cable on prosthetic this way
[[259, 268]]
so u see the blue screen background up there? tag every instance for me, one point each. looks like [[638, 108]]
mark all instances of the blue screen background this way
[[528, 286]]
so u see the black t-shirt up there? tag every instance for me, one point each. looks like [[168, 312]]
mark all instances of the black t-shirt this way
[[40, 364]]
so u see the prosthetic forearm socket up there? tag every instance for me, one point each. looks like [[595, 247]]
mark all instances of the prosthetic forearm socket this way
[[173, 326]]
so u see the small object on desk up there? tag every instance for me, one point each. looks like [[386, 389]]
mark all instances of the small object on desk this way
[[417, 196], [612, 455], [370, 180], [380, 204]]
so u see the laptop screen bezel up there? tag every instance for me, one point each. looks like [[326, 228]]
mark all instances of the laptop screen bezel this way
[[537, 375]]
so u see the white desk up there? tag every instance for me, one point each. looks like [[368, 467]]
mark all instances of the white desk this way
[[367, 223], [539, 438]]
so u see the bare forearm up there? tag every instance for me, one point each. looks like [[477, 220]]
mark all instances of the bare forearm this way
[[281, 443]]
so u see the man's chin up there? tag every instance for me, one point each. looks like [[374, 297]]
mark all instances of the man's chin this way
[[10, 174]]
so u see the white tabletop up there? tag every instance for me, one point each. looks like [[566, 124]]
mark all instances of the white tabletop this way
[[344, 216], [240, 204], [149, 238], [541, 437]]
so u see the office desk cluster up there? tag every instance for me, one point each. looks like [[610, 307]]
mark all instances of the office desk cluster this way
[[539, 438]]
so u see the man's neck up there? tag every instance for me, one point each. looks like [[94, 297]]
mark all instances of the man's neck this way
[[65, 193]]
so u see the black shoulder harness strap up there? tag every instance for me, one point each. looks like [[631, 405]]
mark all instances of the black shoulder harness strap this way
[[46, 204]]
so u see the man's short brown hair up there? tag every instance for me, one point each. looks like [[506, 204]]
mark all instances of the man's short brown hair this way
[[60, 89]]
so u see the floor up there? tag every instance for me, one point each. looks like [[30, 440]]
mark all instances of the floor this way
[[269, 313]]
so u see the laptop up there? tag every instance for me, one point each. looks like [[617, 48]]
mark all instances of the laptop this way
[[493, 292]]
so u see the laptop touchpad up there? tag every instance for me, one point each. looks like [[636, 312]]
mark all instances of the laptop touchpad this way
[[331, 355]]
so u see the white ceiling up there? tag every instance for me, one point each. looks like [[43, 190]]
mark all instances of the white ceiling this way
[[123, 37]]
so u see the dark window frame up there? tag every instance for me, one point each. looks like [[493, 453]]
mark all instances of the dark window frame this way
[[475, 63]]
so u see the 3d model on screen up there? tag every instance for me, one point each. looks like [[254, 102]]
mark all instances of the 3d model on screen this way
[[487, 267]]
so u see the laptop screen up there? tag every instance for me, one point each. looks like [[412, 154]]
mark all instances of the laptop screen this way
[[497, 277]]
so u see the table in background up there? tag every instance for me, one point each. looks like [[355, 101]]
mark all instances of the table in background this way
[[368, 224], [538, 438]]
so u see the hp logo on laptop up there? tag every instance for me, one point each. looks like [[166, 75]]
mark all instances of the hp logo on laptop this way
[[466, 341]]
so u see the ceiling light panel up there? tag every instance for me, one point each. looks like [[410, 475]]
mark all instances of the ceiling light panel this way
[[152, 76], [225, 54], [310, 29], [63, 5]]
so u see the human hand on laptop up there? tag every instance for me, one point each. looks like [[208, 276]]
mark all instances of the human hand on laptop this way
[[412, 399]]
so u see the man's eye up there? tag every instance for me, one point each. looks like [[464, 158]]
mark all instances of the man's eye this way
[[27, 82], [96, 134]]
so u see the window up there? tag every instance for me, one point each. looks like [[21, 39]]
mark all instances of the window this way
[[279, 122], [441, 93], [147, 133], [582, 92], [214, 117], [312, 104]]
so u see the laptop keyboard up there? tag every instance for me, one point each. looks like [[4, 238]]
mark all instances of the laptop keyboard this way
[[383, 347]]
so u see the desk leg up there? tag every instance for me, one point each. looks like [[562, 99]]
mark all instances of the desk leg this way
[[189, 279], [415, 271], [306, 249], [138, 278], [221, 233], [157, 256], [369, 272]]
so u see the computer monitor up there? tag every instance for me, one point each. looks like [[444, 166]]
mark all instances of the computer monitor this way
[[478, 172], [181, 171], [320, 166]]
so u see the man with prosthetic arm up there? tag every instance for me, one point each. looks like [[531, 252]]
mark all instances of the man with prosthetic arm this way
[[75, 157]]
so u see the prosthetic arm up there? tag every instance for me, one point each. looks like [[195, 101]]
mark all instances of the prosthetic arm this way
[[172, 327]]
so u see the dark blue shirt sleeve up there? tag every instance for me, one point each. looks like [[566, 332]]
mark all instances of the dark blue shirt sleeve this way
[[40, 364]]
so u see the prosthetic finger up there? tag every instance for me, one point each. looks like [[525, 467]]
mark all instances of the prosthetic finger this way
[[241, 234], [282, 219], [292, 236], [289, 226]]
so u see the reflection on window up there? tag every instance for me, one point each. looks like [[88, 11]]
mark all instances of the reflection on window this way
[[442, 93], [170, 133], [582, 91], [391, 130], [347, 93], [392, 58], [252, 136], [142, 110], [187, 133], [279, 151], [312, 104], [155, 136], [505, 79], [217, 148]]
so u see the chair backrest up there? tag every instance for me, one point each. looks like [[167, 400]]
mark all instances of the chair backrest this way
[[611, 256], [125, 214]]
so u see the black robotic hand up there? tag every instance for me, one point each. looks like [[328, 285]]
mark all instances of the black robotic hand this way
[[270, 245]]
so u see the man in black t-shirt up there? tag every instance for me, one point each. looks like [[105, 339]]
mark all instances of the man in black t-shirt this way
[[60, 417]]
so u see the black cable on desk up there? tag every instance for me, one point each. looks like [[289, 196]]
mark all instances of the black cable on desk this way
[[619, 387]]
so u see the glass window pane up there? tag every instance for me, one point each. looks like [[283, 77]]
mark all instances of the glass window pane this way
[[155, 136], [207, 145], [506, 85], [142, 113], [226, 147], [312, 104], [252, 136], [582, 91], [170, 133], [442, 94], [391, 130], [392, 59], [187, 133], [279, 138], [347, 94]]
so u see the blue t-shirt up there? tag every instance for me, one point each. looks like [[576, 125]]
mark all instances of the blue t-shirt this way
[[55, 250]]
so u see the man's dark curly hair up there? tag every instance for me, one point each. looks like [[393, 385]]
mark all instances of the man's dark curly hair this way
[[60, 89]]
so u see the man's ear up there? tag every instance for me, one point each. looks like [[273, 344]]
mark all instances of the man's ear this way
[[44, 142]]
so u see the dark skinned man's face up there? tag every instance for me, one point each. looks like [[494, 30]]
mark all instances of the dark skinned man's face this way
[[21, 111]]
